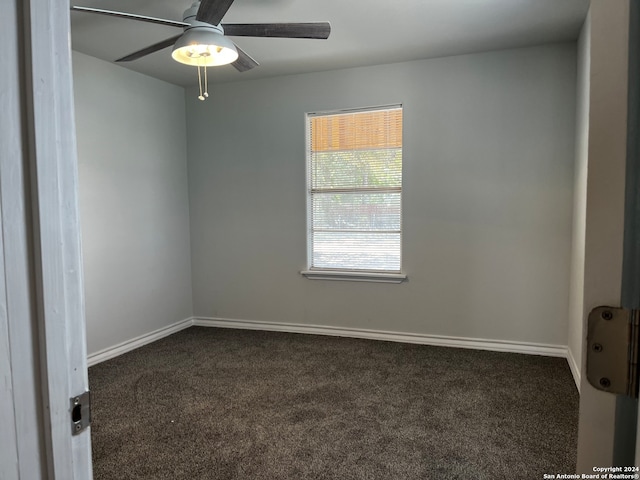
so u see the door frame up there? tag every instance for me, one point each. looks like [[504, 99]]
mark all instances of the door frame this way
[[42, 307]]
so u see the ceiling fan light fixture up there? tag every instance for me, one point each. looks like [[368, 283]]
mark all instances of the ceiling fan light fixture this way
[[204, 47]]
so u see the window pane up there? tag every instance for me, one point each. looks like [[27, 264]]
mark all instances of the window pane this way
[[356, 211], [356, 250]]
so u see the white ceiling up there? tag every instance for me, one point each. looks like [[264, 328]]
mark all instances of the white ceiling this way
[[364, 32]]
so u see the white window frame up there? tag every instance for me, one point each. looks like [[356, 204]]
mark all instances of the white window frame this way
[[315, 273]]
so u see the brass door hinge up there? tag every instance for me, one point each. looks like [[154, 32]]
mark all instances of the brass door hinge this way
[[612, 355]]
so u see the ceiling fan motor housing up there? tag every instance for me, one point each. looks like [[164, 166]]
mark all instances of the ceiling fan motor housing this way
[[189, 16]]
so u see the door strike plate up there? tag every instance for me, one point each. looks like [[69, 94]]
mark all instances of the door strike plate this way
[[80, 412], [612, 355]]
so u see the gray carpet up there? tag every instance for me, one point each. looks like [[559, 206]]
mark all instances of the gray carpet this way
[[210, 403]]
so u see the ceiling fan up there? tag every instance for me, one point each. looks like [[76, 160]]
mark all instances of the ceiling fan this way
[[204, 43]]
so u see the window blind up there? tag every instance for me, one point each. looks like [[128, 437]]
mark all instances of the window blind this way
[[355, 189]]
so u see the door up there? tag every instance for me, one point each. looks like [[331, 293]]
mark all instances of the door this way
[[42, 329], [631, 269], [608, 424]]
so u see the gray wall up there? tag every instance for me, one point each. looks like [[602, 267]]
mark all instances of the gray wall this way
[[133, 201], [576, 294], [488, 189]]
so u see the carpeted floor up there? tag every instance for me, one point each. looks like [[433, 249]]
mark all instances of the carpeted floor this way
[[211, 403]]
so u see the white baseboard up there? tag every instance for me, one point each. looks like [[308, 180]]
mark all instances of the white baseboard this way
[[423, 339], [137, 342], [418, 338], [575, 371]]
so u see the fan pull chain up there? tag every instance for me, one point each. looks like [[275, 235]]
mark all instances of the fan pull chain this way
[[204, 91], [206, 83], [200, 97]]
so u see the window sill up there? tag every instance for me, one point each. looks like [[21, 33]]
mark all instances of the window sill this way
[[340, 275]]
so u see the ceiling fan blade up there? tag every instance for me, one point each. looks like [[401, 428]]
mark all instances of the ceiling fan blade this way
[[150, 49], [284, 30], [132, 16], [244, 61], [212, 11]]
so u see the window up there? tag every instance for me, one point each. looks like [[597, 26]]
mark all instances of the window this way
[[354, 184]]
